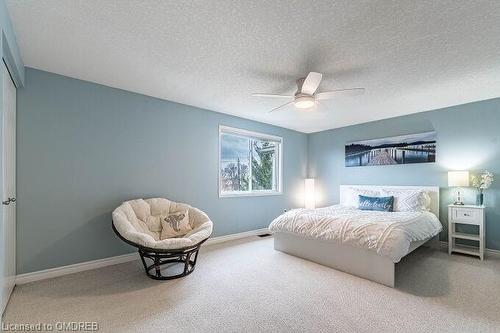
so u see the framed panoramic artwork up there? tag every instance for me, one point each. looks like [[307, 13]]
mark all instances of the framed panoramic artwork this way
[[402, 149]]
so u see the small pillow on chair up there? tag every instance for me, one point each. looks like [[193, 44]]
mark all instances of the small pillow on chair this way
[[383, 204], [175, 224]]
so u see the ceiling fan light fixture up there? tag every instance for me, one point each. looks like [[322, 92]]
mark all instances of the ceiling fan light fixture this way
[[304, 102], [306, 96]]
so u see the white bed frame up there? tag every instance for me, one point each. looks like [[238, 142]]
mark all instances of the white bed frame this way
[[349, 259]]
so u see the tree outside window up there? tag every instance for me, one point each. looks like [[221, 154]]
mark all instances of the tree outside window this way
[[249, 163]]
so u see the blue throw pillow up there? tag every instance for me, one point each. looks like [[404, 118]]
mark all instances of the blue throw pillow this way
[[383, 204]]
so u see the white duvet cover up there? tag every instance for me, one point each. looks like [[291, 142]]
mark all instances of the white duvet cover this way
[[386, 233]]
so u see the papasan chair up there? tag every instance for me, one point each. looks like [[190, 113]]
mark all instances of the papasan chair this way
[[165, 233]]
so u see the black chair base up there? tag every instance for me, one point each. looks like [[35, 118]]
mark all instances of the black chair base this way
[[160, 259]]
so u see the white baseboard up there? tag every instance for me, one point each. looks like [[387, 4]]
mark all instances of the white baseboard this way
[[226, 238], [88, 265], [75, 268], [489, 252]]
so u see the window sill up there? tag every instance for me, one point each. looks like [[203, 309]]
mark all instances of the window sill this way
[[249, 194]]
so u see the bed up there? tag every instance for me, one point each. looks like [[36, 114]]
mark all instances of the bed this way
[[367, 244]]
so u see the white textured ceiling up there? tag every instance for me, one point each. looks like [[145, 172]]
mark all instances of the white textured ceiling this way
[[411, 56]]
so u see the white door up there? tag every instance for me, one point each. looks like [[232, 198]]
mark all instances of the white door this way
[[9, 187]]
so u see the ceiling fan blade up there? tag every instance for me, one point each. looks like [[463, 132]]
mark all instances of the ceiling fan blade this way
[[311, 83], [281, 106], [340, 92], [272, 96]]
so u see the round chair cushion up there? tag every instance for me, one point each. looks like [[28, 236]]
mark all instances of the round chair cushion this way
[[130, 219]]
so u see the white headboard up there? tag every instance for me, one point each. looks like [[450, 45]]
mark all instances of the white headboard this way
[[432, 190]]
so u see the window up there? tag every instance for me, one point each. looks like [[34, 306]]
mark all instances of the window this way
[[249, 163]]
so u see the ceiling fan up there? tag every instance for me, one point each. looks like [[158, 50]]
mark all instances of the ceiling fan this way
[[306, 95]]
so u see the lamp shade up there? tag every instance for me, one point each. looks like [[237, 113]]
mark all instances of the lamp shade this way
[[309, 195], [458, 178]]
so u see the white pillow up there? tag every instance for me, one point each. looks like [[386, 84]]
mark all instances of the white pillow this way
[[409, 200], [352, 197]]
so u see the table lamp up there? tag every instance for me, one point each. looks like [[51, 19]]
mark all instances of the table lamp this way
[[458, 179]]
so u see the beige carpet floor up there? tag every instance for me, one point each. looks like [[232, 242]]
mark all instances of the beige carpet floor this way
[[246, 286]]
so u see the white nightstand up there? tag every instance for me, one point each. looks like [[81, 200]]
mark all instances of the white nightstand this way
[[466, 214]]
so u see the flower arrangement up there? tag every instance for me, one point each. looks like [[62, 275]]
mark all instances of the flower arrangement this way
[[483, 181]]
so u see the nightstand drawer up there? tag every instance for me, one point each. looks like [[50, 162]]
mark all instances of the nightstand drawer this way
[[465, 215]]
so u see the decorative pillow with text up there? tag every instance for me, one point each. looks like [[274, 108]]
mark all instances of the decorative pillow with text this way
[[383, 204]]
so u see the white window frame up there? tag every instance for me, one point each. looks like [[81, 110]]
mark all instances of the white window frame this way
[[256, 135]]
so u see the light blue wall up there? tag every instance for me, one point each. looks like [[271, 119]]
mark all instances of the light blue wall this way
[[84, 148], [468, 139]]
